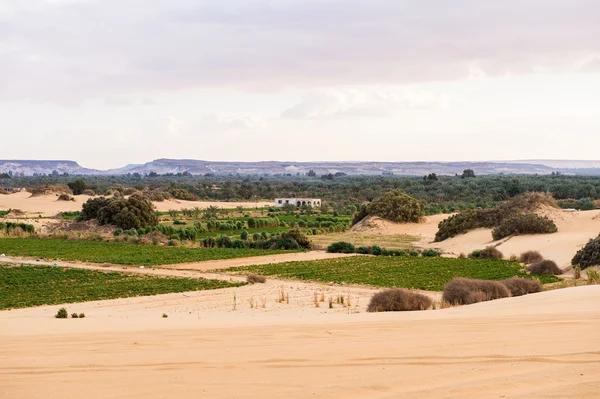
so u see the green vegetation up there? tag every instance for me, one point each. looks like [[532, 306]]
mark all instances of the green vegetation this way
[[26, 286], [70, 215], [7, 227], [504, 218], [588, 255], [133, 213], [528, 223], [118, 253], [396, 206], [407, 272]]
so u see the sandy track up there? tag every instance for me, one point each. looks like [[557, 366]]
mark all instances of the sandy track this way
[[538, 346]]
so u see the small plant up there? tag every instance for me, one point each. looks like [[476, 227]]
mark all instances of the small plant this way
[[546, 267], [341, 247], [522, 286], [81, 315], [330, 301], [487, 253], [255, 278], [430, 253], [316, 300], [251, 301], [165, 315], [577, 272], [593, 276], [413, 253], [234, 301], [62, 313], [398, 300], [74, 316], [464, 291], [263, 302], [322, 296], [530, 257]]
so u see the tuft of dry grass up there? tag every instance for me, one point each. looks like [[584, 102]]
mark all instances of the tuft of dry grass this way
[[487, 253], [546, 267], [530, 257], [398, 300], [522, 286], [464, 291], [255, 278], [577, 272], [593, 276]]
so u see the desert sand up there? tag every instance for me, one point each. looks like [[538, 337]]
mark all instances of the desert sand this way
[[575, 229], [537, 346], [47, 205]]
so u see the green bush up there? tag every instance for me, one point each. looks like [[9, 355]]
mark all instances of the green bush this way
[[522, 224], [376, 250], [487, 253], [341, 247], [135, 212], [588, 255], [224, 242], [363, 250], [430, 253], [244, 235], [62, 314], [397, 206]]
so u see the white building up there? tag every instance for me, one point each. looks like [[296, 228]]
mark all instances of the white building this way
[[298, 202]]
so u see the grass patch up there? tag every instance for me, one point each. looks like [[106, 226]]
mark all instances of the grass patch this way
[[26, 286], [401, 242], [120, 253], [413, 273]]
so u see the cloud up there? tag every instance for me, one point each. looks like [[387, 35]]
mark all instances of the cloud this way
[[332, 102], [66, 51], [232, 121]]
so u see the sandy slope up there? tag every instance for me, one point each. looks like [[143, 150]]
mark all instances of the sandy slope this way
[[537, 346], [47, 205], [574, 231]]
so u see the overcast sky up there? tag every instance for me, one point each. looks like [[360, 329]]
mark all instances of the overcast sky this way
[[112, 82]]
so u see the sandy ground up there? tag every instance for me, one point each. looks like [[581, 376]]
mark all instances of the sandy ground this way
[[538, 346], [47, 205], [574, 231]]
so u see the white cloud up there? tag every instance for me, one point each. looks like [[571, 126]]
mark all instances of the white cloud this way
[[332, 102], [86, 49], [229, 121]]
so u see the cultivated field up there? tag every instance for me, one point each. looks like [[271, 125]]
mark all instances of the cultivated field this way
[[26, 286], [119, 253], [428, 274]]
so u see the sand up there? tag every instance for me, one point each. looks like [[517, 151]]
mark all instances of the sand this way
[[48, 206], [537, 346], [575, 229]]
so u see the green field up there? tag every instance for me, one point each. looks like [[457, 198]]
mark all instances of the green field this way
[[416, 273], [26, 286], [119, 253]]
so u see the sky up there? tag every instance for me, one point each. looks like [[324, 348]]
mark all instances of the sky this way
[[115, 82]]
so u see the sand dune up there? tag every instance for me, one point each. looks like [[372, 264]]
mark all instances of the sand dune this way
[[47, 205], [538, 346]]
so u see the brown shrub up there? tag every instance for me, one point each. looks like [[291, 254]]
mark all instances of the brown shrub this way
[[521, 286], [530, 257], [89, 192], [398, 300], [255, 278], [545, 267], [487, 253], [466, 291]]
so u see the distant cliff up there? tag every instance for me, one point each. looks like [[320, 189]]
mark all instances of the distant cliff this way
[[199, 167]]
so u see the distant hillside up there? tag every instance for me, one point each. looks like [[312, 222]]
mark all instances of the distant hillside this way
[[199, 167], [31, 167]]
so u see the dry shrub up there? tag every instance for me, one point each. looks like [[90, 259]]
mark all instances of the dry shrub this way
[[545, 267], [398, 300], [89, 192], [154, 238], [530, 257], [487, 253], [255, 278], [465, 291], [522, 286]]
